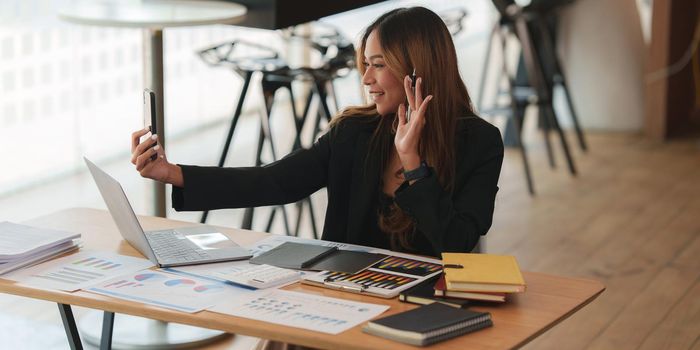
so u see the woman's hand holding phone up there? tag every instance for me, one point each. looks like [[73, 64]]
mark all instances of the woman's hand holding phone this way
[[408, 132], [157, 168]]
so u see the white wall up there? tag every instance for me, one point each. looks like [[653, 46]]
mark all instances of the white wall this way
[[603, 52]]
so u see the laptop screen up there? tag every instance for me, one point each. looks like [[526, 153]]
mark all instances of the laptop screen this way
[[122, 213]]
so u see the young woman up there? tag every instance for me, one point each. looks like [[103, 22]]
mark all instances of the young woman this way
[[424, 184]]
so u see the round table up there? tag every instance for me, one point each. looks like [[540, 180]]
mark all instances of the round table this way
[[152, 16]]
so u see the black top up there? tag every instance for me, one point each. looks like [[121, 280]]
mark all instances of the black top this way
[[445, 222]]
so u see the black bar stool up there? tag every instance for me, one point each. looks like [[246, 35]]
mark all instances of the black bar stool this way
[[266, 63], [337, 56], [538, 71], [275, 73], [337, 61], [519, 97], [454, 19], [544, 23]]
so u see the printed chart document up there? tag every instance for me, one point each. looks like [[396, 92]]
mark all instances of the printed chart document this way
[[78, 271], [211, 271], [301, 310], [186, 294]]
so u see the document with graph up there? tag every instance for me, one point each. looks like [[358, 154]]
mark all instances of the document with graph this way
[[301, 310], [78, 271], [176, 292], [386, 278]]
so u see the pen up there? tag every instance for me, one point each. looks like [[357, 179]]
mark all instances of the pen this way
[[453, 266], [413, 90], [317, 258], [356, 289]]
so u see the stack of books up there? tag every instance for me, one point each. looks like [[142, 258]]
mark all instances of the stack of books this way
[[485, 277], [469, 277], [22, 246], [440, 290]]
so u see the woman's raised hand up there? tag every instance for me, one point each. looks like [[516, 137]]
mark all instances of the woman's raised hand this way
[[157, 168], [408, 132]]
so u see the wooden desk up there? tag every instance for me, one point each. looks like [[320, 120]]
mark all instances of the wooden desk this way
[[548, 300]]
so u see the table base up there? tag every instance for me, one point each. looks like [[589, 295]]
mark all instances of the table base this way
[[136, 333]]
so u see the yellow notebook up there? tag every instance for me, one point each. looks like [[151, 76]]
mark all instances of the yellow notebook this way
[[482, 273]]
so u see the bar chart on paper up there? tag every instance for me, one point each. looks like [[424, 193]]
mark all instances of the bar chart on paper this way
[[407, 266], [369, 278], [102, 264], [386, 278], [212, 271], [79, 270]]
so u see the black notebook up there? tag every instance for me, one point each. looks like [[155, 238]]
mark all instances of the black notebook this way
[[299, 256], [424, 294], [428, 324]]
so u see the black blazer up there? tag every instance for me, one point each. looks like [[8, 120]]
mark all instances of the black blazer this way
[[444, 221]]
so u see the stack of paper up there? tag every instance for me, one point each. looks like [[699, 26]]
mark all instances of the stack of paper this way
[[22, 245]]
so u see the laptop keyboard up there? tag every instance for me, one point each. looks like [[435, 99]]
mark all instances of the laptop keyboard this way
[[168, 248]]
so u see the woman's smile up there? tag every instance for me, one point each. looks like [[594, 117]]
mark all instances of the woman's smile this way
[[382, 86]]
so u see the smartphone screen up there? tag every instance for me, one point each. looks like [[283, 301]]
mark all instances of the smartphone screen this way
[[149, 113]]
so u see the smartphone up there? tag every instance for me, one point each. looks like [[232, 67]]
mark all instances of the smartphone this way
[[413, 90], [149, 114]]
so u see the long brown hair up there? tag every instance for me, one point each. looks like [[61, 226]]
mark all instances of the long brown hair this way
[[417, 38]]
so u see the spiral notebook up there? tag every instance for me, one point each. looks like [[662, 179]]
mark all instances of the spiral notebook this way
[[428, 324]]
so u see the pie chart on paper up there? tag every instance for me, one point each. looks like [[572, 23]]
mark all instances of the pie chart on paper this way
[[179, 281], [147, 276], [207, 288]]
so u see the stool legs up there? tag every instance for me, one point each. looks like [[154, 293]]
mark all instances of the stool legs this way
[[270, 84], [299, 121], [236, 115], [549, 112], [516, 120], [487, 59], [547, 45], [269, 91], [229, 137], [546, 127], [538, 81], [321, 91], [515, 109]]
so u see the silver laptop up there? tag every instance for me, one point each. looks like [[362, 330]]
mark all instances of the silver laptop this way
[[165, 248]]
